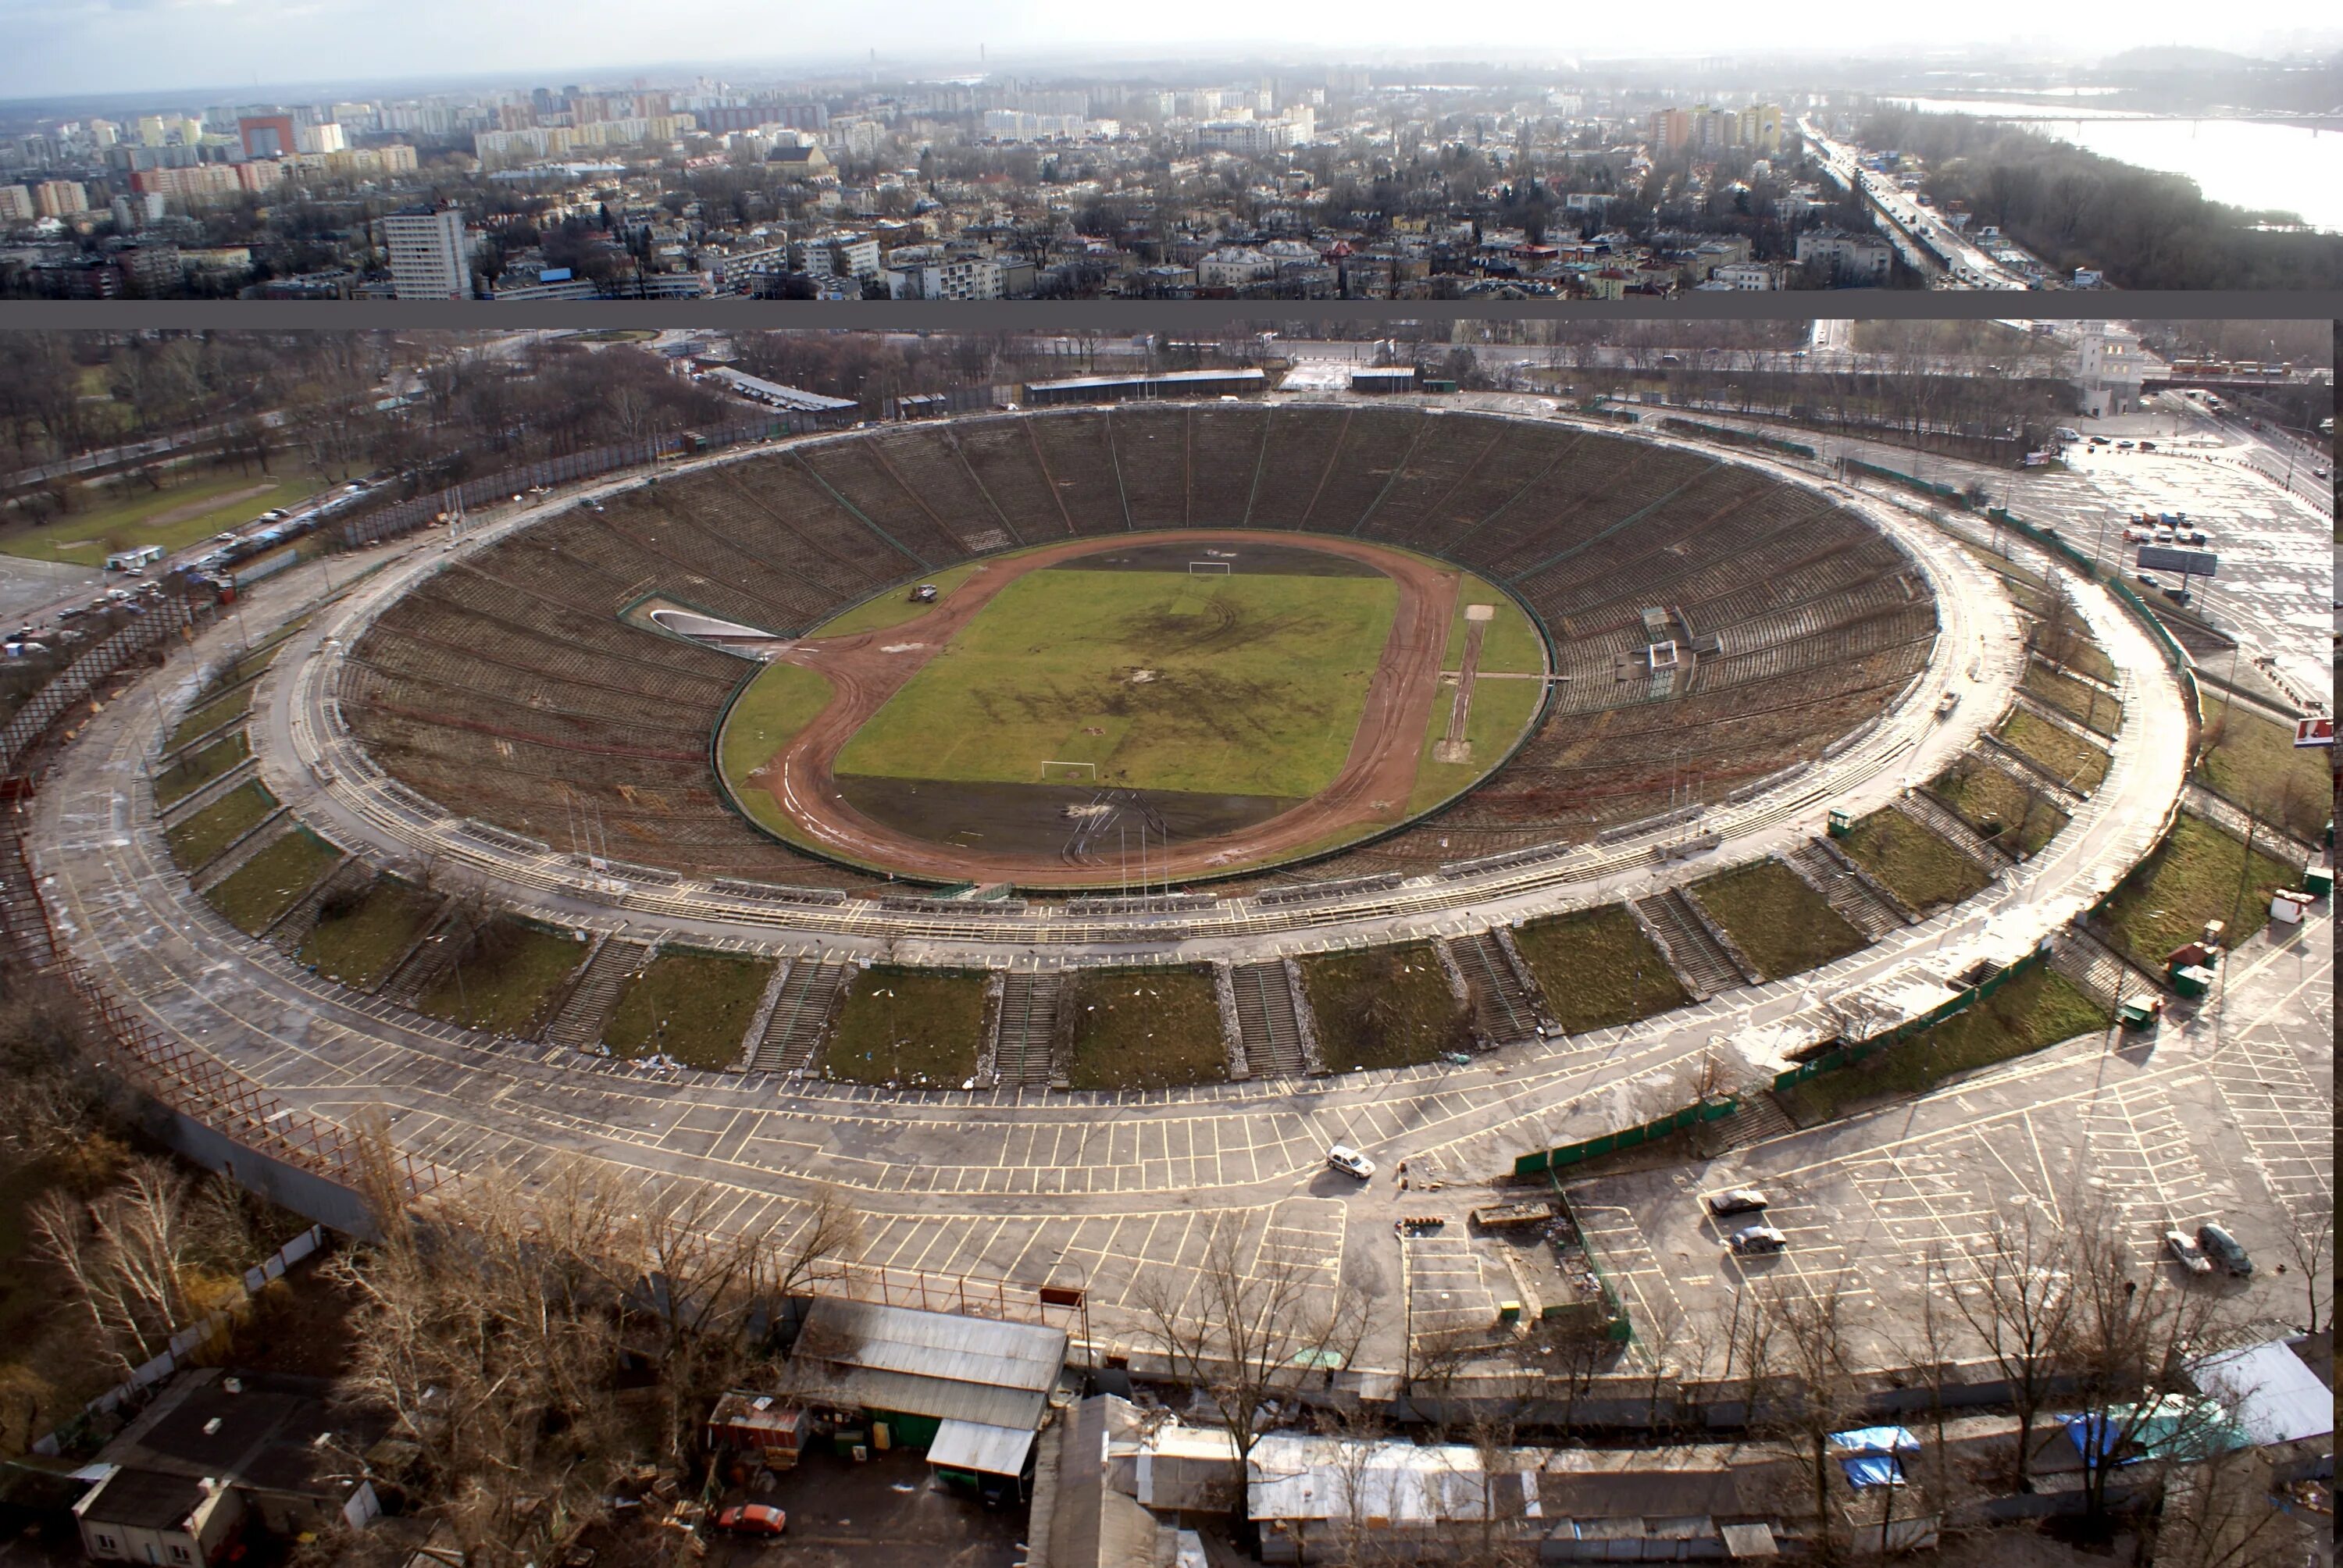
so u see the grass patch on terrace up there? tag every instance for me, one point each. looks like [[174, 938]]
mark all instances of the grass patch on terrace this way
[[505, 983], [1998, 807], [2067, 757], [776, 703], [896, 605], [1144, 1029], [908, 1028], [210, 717], [1917, 866], [2035, 1010], [1236, 685], [360, 935], [2198, 873], [1783, 925], [1597, 969], [197, 768], [273, 880], [206, 833], [2253, 761], [694, 1007], [1385, 1006], [2086, 705], [175, 517]]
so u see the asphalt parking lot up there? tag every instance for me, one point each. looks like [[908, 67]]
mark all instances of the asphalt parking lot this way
[[2222, 1117]]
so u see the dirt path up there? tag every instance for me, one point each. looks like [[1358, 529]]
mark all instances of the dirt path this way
[[1372, 787], [187, 511]]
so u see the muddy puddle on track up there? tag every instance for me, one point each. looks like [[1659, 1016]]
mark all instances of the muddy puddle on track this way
[[1029, 820]]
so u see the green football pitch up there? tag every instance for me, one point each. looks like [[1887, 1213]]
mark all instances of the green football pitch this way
[[1226, 685]]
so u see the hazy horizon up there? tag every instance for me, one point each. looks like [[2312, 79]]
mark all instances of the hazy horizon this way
[[72, 50]]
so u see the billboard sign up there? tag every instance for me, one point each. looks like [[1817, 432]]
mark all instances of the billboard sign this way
[[2318, 730], [2164, 557]]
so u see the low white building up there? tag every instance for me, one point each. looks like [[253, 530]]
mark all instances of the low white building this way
[[1234, 267]]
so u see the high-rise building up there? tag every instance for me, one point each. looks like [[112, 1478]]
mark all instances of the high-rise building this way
[[267, 135], [427, 259], [15, 204], [60, 198], [1670, 131]]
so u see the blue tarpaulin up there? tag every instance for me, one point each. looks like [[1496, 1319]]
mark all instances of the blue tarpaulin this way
[[1873, 1469], [1875, 1440]]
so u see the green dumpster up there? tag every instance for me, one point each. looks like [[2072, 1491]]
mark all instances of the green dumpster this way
[[2192, 980]]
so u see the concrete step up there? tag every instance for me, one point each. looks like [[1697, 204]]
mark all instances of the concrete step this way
[[578, 1022], [1266, 1022]]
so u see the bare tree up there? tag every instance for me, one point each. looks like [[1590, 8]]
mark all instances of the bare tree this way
[[2019, 1300], [2134, 1332], [1814, 1395], [2308, 1237], [1245, 1337], [127, 1255]]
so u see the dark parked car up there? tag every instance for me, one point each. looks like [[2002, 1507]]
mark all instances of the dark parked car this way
[[750, 1519], [1735, 1200], [2225, 1251]]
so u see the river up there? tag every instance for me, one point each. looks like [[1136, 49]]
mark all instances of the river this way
[[2251, 163]]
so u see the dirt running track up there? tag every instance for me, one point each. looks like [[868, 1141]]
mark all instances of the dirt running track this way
[[1371, 788]]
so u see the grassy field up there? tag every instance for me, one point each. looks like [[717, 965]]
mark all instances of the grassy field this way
[[2030, 1013], [1385, 1006], [197, 768], [1921, 869], [210, 717], [357, 939], [174, 517], [2067, 757], [1989, 800], [781, 700], [1500, 708], [894, 606], [1145, 1028], [208, 831], [911, 1028], [1783, 925], [2197, 874], [1597, 969], [2086, 705], [273, 880], [1240, 685], [505, 983], [2253, 761], [693, 1007]]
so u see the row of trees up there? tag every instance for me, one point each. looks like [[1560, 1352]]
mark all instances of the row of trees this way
[[2143, 229]]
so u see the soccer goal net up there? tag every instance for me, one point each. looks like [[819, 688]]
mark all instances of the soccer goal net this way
[[1068, 770], [1207, 568]]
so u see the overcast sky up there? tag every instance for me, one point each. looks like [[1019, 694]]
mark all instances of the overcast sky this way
[[63, 47]]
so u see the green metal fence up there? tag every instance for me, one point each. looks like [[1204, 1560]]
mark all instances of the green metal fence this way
[[1925, 487], [1848, 1055], [1733, 437], [1626, 1137]]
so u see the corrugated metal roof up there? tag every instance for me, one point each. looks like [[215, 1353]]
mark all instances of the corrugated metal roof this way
[[2277, 1398], [987, 1450], [858, 1355]]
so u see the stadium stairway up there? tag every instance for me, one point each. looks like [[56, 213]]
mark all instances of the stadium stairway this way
[[291, 928], [1705, 968], [1503, 1008], [800, 1016], [1940, 819], [1028, 1025], [1845, 891], [1266, 1022], [578, 1022]]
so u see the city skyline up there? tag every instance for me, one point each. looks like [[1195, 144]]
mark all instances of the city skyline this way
[[68, 51]]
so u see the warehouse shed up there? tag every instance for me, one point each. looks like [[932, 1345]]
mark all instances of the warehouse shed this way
[[971, 1391]]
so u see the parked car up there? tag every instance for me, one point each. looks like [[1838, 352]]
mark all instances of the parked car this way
[[750, 1519], [2188, 1253], [2147, 445], [1735, 1200], [1758, 1239], [2138, 536], [2224, 1250], [1350, 1163]]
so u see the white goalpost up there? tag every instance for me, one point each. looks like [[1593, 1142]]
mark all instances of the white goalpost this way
[[1089, 770], [1205, 568]]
